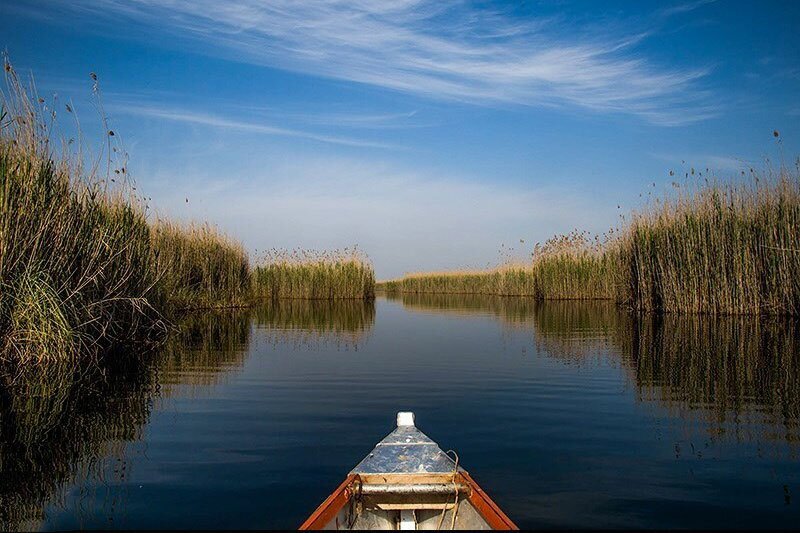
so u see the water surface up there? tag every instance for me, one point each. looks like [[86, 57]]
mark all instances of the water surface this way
[[568, 414]]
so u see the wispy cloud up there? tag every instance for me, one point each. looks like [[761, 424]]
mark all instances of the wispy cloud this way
[[353, 119], [445, 50], [683, 8], [215, 121], [714, 162]]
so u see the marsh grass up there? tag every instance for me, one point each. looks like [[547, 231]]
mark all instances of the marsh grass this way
[[82, 269], [567, 267], [715, 248], [310, 275], [74, 250], [199, 267], [719, 248]]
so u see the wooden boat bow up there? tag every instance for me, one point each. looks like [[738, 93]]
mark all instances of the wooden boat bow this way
[[408, 482]]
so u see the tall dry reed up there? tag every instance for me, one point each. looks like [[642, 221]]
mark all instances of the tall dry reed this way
[[331, 275], [81, 269], [198, 267], [719, 249], [566, 267], [74, 250]]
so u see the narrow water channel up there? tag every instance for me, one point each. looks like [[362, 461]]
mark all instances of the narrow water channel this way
[[569, 414]]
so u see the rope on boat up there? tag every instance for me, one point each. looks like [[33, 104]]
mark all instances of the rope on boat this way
[[455, 489], [356, 503]]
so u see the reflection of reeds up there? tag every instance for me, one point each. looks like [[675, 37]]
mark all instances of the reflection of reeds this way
[[740, 372], [730, 368], [510, 309], [59, 426], [733, 371], [62, 424], [344, 323], [572, 332], [204, 348]]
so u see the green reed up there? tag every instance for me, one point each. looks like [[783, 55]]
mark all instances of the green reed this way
[[311, 275], [198, 267], [82, 270], [74, 251]]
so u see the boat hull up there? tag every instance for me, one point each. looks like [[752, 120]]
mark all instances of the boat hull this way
[[408, 482]]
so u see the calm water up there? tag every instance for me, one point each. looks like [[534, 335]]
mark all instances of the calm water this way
[[568, 414]]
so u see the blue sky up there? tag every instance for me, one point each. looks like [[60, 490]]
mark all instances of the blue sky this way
[[427, 133]]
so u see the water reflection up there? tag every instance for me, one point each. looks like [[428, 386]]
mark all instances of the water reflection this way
[[739, 375], [314, 323], [511, 310], [63, 425], [574, 424], [205, 347]]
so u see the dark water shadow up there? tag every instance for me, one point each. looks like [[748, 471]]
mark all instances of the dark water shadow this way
[[733, 377], [71, 426], [61, 425]]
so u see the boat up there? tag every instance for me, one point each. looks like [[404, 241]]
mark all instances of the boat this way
[[407, 482]]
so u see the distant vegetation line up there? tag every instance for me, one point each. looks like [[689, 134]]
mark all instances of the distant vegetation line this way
[[714, 248], [333, 275], [84, 269]]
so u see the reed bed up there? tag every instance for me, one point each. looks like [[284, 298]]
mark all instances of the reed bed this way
[[719, 249], [82, 269], [566, 267], [74, 250], [509, 280], [310, 275], [198, 267]]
